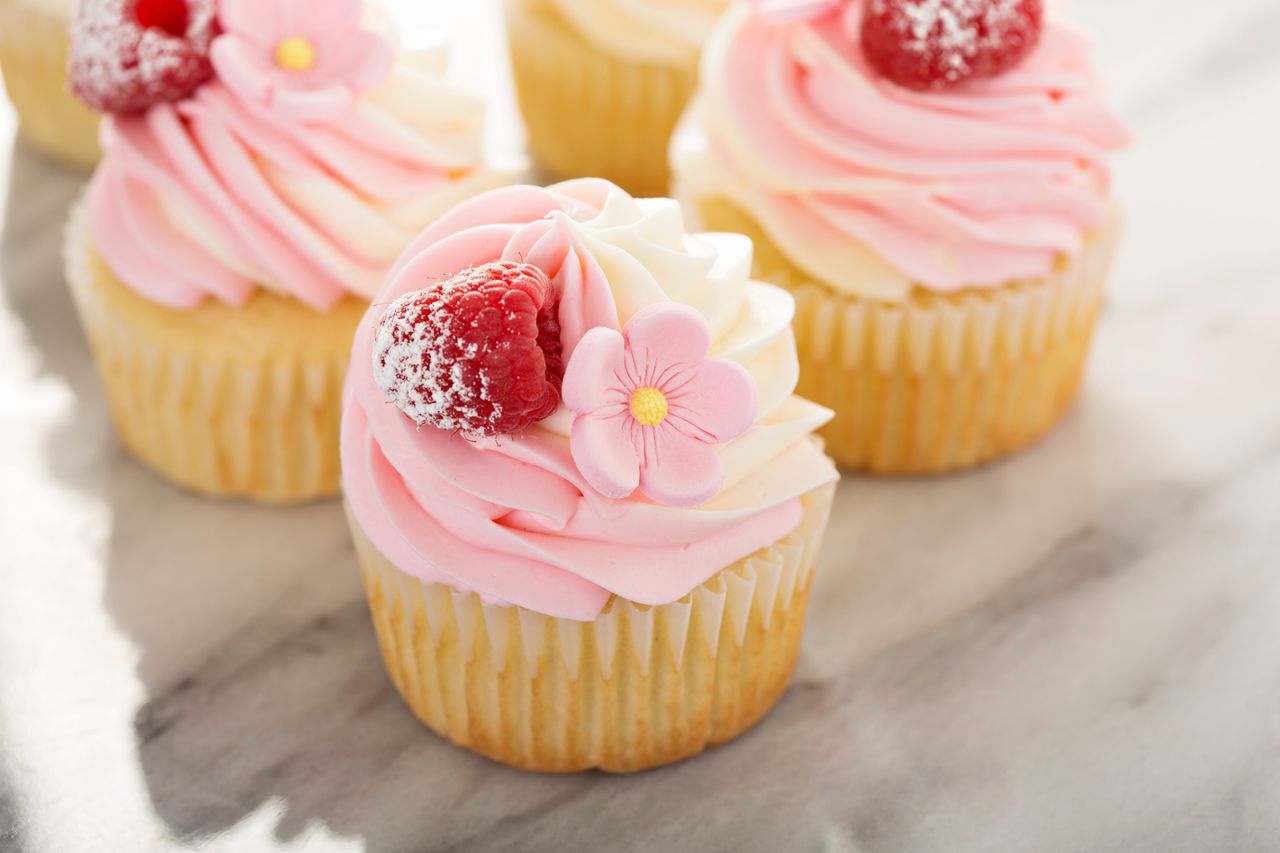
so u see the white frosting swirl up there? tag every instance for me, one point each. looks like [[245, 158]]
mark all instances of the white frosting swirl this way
[[511, 517], [209, 197], [876, 189]]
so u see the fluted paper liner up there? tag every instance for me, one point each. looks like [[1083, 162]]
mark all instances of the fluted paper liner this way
[[942, 381], [229, 402], [33, 56], [638, 687], [589, 113]]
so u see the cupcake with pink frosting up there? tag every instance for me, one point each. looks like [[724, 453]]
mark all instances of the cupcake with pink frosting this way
[[585, 500], [265, 164], [929, 178]]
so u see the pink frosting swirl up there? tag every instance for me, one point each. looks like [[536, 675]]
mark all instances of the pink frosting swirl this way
[[874, 188], [512, 518], [214, 196]]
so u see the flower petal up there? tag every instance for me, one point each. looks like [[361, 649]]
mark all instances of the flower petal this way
[[242, 68], [715, 400], [359, 58], [663, 335], [341, 15], [252, 20], [318, 19], [680, 470], [605, 454], [591, 379]]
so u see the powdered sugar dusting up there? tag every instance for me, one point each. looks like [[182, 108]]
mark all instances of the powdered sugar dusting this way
[[428, 389], [478, 353], [938, 43], [117, 65], [958, 29]]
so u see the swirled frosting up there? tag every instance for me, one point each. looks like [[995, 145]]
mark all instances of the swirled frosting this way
[[873, 188], [210, 196], [512, 518], [661, 32]]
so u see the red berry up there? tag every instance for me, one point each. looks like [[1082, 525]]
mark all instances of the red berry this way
[[478, 353], [167, 15], [129, 54], [935, 44]]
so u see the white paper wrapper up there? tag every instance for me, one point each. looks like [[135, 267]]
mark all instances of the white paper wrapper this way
[[942, 381], [228, 402], [638, 687], [33, 56], [589, 113]]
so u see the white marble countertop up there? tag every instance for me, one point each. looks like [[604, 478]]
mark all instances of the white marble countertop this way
[[1075, 650]]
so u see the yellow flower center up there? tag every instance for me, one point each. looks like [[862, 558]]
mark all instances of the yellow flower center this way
[[648, 406], [295, 53]]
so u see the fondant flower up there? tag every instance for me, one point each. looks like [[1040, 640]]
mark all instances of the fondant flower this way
[[300, 60], [650, 407]]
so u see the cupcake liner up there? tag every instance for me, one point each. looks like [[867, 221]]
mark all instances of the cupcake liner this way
[[588, 113], [943, 381], [33, 55], [228, 402], [637, 687]]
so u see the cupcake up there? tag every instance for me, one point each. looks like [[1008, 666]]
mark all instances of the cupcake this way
[[33, 58], [585, 501], [929, 179], [263, 169], [623, 69]]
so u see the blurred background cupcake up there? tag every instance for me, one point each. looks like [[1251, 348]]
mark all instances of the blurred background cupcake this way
[[930, 181], [601, 83], [585, 501], [261, 174], [33, 59]]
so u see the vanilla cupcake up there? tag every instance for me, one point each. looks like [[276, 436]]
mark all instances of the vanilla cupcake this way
[[33, 59], [930, 181], [262, 172], [601, 83], [586, 504]]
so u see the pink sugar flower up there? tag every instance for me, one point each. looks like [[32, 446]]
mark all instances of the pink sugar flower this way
[[299, 60], [651, 407]]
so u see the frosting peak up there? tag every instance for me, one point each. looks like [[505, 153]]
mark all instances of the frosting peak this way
[[303, 60], [513, 517], [874, 188], [311, 193]]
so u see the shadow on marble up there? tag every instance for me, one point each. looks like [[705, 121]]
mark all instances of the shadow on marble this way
[[11, 836], [264, 688], [1009, 653], [286, 705]]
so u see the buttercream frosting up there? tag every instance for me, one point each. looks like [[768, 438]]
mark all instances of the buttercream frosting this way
[[511, 517], [214, 195], [661, 32], [873, 188]]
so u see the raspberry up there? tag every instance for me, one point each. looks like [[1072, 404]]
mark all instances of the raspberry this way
[[478, 353], [935, 44], [129, 54], [167, 15]]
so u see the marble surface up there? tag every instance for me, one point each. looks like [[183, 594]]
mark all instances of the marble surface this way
[[1074, 650]]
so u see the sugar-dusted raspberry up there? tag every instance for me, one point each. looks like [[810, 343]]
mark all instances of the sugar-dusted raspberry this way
[[478, 353], [129, 54], [935, 44]]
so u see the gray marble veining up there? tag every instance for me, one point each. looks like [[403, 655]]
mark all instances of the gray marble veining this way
[[1074, 650]]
